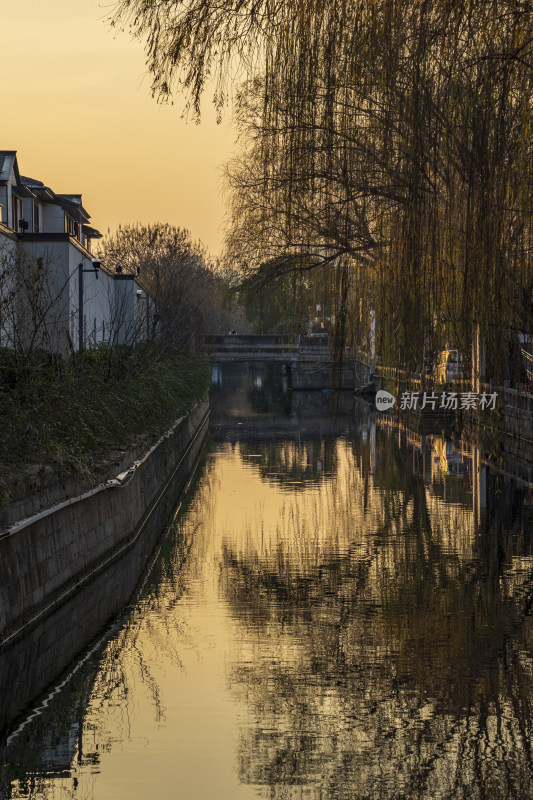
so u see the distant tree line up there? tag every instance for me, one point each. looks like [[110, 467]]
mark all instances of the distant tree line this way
[[67, 409], [191, 291]]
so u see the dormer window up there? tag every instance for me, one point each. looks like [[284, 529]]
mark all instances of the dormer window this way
[[71, 226], [17, 212]]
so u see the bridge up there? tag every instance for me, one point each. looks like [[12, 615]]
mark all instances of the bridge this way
[[281, 349], [308, 360]]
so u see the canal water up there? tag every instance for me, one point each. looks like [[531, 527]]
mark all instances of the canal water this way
[[340, 609]]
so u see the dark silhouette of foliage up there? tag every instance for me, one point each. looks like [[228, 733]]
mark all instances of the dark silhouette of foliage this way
[[387, 142]]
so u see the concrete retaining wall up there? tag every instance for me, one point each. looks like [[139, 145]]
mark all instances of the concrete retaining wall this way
[[45, 559], [39, 487]]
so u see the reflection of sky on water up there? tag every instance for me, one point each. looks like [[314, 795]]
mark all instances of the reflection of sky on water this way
[[330, 618]]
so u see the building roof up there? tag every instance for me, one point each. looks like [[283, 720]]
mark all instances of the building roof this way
[[91, 233], [31, 187], [8, 164], [68, 202], [30, 181], [74, 198], [23, 191], [72, 204]]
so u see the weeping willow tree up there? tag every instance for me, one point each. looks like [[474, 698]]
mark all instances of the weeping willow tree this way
[[386, 142]]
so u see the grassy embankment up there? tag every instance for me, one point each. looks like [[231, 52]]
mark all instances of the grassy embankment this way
[[49, 416]]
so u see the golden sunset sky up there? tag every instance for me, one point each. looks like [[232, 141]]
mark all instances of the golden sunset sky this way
[[76, 105]]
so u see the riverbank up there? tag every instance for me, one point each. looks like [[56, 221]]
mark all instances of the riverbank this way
[[46, 558], [60, 435]]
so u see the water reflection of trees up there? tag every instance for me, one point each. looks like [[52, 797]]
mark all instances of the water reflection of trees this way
[[382, 640], [91, 709], [49, 746], [398, 648], [292, 464]]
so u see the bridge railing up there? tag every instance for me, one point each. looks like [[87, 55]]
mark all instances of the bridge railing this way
[[248, 338], [528, 361], [258, 340]]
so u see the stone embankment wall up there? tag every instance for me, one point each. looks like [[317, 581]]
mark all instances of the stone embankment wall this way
[[39, 486], [506, 434], [45, 559]]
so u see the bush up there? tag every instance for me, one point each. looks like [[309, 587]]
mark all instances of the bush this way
[[50, 414]]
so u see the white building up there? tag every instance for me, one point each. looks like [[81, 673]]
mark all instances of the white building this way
[[45, 247], [9, 177]]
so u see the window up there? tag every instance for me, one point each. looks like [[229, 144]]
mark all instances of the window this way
[[17, 211], [71, 226], [36, 218]]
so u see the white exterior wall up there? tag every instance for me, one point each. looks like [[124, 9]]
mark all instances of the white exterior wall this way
[[112, 314], [28, 204], [87, 242], [4, 204], [124, 311], [9, 204], [46, 310], [8, 213], [53, 332], [113, 310], [6, 198], [53, 219], [139, 313], [7, 287], [98, 304], [27, 212]]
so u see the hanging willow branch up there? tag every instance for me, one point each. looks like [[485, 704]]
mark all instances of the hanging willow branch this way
[[393, 136]]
